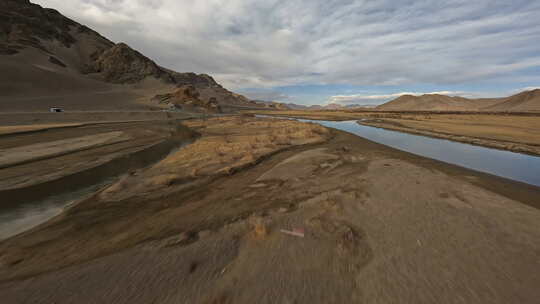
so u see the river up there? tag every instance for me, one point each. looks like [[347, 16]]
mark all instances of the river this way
[[515, 166]]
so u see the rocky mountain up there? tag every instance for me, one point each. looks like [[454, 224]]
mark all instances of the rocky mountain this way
[[273, 105], [24, 25], [122, 64], [188, 98], [62, 57]]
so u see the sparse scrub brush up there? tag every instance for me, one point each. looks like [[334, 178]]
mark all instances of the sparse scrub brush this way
[[260, 227], [220, 152]]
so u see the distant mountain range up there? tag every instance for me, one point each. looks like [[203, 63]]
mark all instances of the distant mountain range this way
[[527, 101], [293, 106], [523, 102]]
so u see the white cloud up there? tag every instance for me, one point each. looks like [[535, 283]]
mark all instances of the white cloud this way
[[246, 43], [266, 95], [528, 89], [108, 18]]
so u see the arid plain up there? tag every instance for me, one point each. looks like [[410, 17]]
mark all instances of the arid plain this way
[[210, 216]]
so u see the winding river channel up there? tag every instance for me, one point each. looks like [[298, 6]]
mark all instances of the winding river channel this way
[[515, 166]]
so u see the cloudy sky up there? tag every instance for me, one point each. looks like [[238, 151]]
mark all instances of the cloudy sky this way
[[321, 51]]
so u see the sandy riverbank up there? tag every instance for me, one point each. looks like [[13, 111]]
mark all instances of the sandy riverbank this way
[[203, 226]]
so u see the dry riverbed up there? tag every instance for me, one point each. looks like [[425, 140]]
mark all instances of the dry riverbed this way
[[204, 225]]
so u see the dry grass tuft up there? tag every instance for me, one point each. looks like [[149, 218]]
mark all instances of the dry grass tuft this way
[[259, 226]]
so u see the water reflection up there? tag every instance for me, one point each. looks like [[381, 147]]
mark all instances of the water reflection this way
[[515, 166], [21, 217]]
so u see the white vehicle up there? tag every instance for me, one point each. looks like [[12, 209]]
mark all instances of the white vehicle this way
[[56, 110]]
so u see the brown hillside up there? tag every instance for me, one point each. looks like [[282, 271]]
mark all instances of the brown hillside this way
[[434, 102], [522, 102]]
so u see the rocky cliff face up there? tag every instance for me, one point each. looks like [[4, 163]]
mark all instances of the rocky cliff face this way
[[272, 105], [188, 97], [198, 80], [122, 64], [23, 24]]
